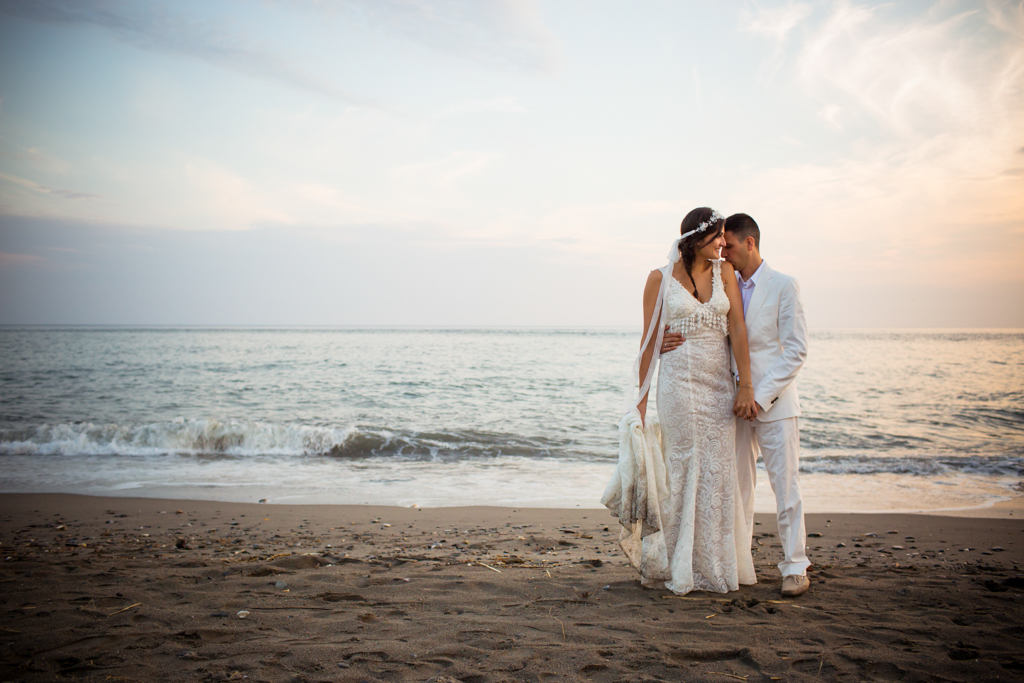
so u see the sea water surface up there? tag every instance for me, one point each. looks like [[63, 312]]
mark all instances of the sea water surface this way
[[893, 419]]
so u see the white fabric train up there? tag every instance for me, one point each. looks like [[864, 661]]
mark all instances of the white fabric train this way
[[640, 481]]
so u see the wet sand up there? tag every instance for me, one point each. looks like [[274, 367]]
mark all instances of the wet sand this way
[[128, 589]]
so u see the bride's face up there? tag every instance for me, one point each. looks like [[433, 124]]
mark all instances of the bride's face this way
[[712, 249]]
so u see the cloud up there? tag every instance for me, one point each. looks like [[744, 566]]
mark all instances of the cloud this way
[[37, 188], [148, 26], [926, 117], [318, 200], [830, 115], [620, 236], [504, 33], [776, 22], [7, 260], [894, 216], [908, 76], [443, 175], [501, 105], [38, 159], [919, 77], [71, 194], [223, 199]]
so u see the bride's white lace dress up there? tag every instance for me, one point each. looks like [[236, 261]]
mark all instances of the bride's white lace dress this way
[[705, 544]]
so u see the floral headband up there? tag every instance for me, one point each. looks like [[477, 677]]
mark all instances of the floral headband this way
[[673, 253]]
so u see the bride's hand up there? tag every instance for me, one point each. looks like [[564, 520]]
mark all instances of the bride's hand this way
[[745, 406]]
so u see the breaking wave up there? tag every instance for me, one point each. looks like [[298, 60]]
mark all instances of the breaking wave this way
[[237, 438]]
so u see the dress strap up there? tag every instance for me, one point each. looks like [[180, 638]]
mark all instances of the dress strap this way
[[653, 335], [716, 277]]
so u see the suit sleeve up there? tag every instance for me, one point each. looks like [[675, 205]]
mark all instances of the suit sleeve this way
[[793, 339]]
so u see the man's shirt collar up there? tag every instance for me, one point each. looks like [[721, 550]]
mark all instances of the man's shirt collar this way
[[753, 278]]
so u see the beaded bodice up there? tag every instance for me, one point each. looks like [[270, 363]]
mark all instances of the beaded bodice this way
[[686, 314]]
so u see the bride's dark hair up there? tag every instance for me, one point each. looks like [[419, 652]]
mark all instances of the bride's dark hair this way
[[689, 247]]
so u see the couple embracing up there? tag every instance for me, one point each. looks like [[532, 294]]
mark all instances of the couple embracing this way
[[726, 335]]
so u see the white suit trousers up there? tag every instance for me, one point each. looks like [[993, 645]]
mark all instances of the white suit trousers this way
[[778, 442]]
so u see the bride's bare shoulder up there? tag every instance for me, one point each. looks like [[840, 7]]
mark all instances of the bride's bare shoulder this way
[[727, 268], [653, 280], [653, 284]]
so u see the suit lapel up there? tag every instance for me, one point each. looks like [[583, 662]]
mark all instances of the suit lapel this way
[[764, 285]]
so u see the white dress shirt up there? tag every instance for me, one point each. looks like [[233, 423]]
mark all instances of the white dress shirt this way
[[747, 288]]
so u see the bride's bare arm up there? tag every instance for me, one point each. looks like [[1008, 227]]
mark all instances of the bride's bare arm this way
[[745, 407], [650, 299]]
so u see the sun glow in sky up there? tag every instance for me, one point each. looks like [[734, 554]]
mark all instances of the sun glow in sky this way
[[406, 162]]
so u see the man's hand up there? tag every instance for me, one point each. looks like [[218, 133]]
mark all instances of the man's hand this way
[[671, 340]]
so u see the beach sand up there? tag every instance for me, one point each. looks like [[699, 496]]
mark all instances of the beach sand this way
[[130, 589]]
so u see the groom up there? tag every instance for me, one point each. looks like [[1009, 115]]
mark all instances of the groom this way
[[777, 334]]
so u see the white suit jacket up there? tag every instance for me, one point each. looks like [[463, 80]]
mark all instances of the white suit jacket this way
[[777, 337]]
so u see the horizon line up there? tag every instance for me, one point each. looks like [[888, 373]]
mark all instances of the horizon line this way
[[441, 328]]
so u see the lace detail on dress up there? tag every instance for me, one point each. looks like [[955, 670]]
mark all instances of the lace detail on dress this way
[[686, 314], [705, 541]]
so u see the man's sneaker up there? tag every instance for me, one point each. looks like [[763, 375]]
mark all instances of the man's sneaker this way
[[794, 585]]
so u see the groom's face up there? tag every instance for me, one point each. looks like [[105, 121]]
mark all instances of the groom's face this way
[[735, 251]]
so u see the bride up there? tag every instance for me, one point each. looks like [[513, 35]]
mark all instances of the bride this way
[[675, 489]]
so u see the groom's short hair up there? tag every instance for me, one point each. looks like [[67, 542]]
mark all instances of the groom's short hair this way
[[743, 226]]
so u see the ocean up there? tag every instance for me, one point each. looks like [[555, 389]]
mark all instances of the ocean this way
[[892, 419]]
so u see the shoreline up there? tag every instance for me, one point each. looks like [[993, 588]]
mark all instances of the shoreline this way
[[181, 590], [542, 488]]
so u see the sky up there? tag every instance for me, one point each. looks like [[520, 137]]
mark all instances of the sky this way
[[502, 163]]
